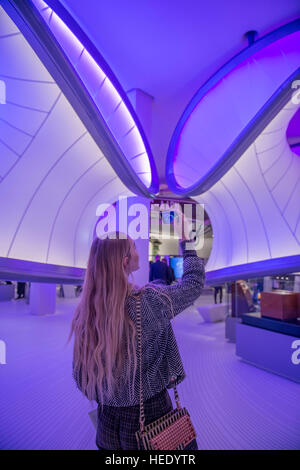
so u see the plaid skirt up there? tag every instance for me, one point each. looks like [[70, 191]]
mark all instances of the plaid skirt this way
[[117, 425]]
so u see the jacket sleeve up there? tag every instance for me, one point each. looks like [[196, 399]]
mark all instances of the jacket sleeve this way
[[169, 275], [173, 299]]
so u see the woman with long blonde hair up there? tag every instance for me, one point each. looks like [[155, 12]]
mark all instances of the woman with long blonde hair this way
[[105, 341]]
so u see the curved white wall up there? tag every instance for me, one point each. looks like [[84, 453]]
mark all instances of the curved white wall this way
[[255, 206], [53, 175]]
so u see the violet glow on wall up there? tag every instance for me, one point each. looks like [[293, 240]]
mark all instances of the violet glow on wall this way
[[293, 133], [296, 149], [107, 99], [53, 175]]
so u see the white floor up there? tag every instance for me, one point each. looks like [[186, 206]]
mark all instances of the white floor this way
[[232, 404]]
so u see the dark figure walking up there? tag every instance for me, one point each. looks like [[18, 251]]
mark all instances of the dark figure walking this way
[[21, 290], [218, 289], [171, 275]]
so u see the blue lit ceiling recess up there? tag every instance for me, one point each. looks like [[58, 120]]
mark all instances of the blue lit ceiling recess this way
[[91, 88], [231, 109]]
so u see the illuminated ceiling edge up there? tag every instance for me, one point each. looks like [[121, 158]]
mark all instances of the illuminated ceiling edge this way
[[44, 44], [65, 16], [32, 271], [268, 267], [222, 167]]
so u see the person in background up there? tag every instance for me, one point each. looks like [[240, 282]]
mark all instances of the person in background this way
[[21, 290], [78, 290], [218, 289], [159, 271], [171, 275]]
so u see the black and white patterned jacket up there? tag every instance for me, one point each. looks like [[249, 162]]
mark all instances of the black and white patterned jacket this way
[[161, 362]]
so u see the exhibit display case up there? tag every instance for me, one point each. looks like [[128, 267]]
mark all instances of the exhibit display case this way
[[269, 336]]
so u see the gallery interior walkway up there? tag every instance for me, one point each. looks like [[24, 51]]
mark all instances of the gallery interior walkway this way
[[232, 404]]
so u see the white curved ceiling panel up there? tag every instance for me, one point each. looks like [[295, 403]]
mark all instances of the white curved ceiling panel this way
[[8, 158], [10, 67], [33, 95], [53, 175], [22, 119], [225, 106], [254, 207], [15, 138]]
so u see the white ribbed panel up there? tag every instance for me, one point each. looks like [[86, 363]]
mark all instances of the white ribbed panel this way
[[53, 175]]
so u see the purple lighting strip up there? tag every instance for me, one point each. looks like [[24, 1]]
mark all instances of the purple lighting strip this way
[[111, 103]]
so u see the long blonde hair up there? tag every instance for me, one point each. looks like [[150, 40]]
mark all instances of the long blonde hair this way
[[103, 331]]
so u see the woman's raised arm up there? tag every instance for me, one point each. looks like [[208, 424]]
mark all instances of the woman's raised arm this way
[[173, 299]]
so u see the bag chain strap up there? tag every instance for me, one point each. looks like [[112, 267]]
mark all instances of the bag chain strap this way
[[139, 333]]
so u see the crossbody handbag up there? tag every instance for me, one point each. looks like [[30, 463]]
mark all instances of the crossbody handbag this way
[[173, 431]]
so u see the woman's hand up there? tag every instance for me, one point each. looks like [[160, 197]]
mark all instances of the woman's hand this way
[[183, 229]]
